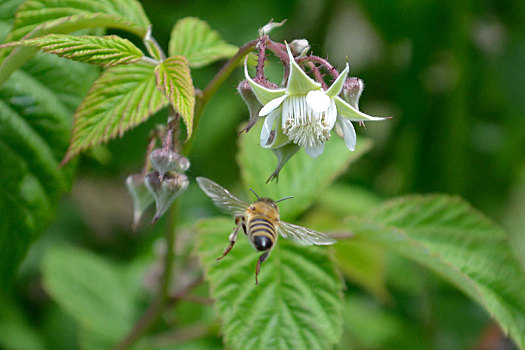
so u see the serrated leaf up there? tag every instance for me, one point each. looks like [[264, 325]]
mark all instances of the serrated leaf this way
[[91, 290], [303, 177], [120, 98], [39, 17], [448, 236], [194, 39], [106, 51], [35, 123], [297, 304], [173, 78]]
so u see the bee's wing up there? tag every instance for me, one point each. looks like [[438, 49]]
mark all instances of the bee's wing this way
[[221, 196], [303, 235]]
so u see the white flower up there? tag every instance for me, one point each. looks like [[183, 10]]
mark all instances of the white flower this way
[[305, 114]]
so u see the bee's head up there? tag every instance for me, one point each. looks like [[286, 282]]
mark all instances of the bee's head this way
[[265, 206]]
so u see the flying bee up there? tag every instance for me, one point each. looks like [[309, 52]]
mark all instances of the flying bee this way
[[259, 222]]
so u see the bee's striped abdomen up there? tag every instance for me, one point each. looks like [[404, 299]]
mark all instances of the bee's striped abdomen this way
[[261, 233]]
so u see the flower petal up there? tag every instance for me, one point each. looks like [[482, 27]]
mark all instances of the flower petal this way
[[271, 106], [267, 127], [318, 101], [298, 82], [331, 114], [353, 114], [348, 132], [337, 85], [263, 94], [314, 151]]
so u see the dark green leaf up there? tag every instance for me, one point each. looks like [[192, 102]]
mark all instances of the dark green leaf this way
[[120, 98], [35, 124], [174, 80], [446, 235], [105, 51], [297, 304], [194, 39]]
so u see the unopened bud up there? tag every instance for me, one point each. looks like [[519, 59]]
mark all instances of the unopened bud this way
[[269, 27], [254, 106], [299, 47], [352, 90], [165, 190], [164, 161], [140, 196]]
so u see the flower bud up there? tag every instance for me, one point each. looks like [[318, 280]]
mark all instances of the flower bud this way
[[299, 47], [269, 27], [254, 106], [164, 161], [352, 90], [140, 196], [165, 190]]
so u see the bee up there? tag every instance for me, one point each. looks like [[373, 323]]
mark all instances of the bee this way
[[259, 222]]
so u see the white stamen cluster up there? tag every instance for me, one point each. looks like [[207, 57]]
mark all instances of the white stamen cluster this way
[[303, 125]]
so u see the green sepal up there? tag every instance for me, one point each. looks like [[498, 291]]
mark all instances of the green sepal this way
[[351, 113], [337, 85], [299, 83]]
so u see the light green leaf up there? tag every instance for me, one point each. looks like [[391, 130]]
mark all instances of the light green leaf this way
[[105, 51], [39, 17], [297, 304], [173, 78], [448, 236], [302, 177], [120, 98], [194, 39], [91, 290]]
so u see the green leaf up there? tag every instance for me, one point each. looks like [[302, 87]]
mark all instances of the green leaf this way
[[448, 236], [194, 39], [35, 124], [17, 331], [303, 177], [91, 290], [297, 304], [39, 17], [173, 78], [106, 51], [120, 98]]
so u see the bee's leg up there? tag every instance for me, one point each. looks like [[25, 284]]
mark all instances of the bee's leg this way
[[259, 262], [232, 238]]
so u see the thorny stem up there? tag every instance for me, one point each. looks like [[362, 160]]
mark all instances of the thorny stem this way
[[331, 69], [317, 74], [259, 73], [280, 51]]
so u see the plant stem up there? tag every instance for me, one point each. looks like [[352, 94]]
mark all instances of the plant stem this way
[[154, 311], [206, 94], [162, 299]]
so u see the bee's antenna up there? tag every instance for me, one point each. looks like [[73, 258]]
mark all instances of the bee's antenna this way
[[283, 199], [255, 193]]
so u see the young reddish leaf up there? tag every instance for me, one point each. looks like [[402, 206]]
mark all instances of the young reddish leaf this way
[[106, 51], [121, 98], [174, 80]]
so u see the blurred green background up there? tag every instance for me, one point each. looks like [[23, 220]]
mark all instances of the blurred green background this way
[[452, 75]]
